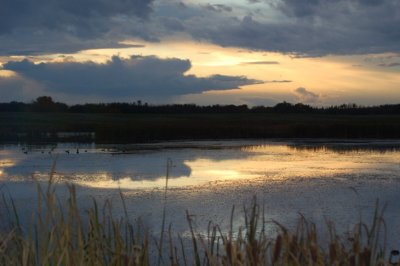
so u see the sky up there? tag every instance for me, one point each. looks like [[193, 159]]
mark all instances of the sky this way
[[254, 52]]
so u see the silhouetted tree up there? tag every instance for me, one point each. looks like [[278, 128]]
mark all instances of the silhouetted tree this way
[[46, 104]]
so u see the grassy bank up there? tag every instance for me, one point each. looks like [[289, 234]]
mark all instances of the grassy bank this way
[[61, 233], [123, 128]]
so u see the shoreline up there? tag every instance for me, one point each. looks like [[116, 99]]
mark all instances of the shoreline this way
[[148, 128]]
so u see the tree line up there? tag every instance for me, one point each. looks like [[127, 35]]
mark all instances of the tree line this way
[[47, 105]]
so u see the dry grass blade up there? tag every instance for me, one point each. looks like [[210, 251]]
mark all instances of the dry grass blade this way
[[64, 234]]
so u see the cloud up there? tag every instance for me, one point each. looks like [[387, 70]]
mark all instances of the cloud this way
[[310, 27], [383, 60], [260, 63], [306, 96], [218, 8], [136, 76], [60, 45], [279, 81], [314, 8], [299, 27], [48, 26], [396, 64], [172, 24], [78, 16]]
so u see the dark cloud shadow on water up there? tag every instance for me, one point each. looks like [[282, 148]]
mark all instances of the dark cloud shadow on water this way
[[148, 162], [138, 162]]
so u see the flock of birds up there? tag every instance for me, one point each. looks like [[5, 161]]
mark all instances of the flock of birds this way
[[25, 151]]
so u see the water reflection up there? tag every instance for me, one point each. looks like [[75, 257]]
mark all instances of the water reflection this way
[[342, 146], [319, 180], [197, 163]]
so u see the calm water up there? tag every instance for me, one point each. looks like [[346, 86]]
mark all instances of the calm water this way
[[338, 181]]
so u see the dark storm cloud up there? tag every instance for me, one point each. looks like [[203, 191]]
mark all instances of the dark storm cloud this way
[[136, 76], [47, 26], [299, 27], [315, 8], [79, 16], [172, 24], [314, 28]]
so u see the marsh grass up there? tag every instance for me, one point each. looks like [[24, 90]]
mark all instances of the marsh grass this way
[[139, 128], [60, 233]]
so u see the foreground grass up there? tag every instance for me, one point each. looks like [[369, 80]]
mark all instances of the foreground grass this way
[[62, 234]]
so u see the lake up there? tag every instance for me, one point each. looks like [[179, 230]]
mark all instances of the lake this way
[[327, 180]]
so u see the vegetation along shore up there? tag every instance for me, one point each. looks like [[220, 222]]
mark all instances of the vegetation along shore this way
[[43, 120]]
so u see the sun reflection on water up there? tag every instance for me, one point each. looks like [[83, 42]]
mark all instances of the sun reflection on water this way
[[5, 163], [194, 166]]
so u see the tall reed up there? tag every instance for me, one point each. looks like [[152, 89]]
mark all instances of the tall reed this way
[[61, 233]]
